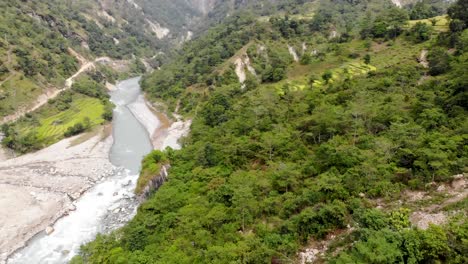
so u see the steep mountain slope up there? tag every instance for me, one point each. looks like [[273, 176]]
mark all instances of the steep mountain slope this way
[[323, 136], [44, 43]]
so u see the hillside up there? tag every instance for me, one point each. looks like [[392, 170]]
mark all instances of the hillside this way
[[43, 44], [336, 134]]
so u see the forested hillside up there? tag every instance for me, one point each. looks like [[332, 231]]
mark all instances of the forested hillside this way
[[313, 131], [43, 43]]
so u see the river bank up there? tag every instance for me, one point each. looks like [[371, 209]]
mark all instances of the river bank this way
[[39, 188], [52, 191], [96, 198], [163, 131]]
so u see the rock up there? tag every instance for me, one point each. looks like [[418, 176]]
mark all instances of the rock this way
[[72, 207], [441, 188], [49, 230], [459, 183], [127, 184], [114, 207], [309, 256]]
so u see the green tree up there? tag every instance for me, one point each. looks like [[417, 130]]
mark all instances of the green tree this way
[[421, 32], [439, 61]]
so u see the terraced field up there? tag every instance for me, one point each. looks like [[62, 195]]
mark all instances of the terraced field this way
[[52, 127], [348, 71], [441, 25]]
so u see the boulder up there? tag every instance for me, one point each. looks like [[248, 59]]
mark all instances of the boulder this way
[[49, 230]]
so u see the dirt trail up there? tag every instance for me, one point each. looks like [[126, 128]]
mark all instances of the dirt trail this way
[[51, 93], [423, 59], [12, 71], [12, 74]]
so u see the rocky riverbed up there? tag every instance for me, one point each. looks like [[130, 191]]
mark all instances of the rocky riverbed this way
[[90, 183], [39, 188]]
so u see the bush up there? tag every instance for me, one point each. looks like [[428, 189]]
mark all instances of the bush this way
[[439, 61], [421, 32], [78, 128]]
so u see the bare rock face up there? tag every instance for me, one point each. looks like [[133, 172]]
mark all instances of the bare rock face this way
[[308, 256], [459, 182], [155, 183], [49, 230], [422, 219]]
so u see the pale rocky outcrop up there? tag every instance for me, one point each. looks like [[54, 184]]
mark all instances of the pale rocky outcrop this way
[[203, 6], [154, 184], [293, 53], [159, 30], [107, 16], [308, 256], [135, 5], [422, 220], [242, 63], [397, 3]]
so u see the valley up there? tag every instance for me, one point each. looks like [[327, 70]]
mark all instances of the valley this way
[[208, 131]]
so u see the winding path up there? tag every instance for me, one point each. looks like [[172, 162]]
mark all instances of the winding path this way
[[53, 92]]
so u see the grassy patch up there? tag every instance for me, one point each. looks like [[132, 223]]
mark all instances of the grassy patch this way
[[17, 92], [49, 124], [441, 25], [346, 72], [151, 167]]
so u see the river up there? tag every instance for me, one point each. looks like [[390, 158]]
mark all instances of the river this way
[[110, 203]]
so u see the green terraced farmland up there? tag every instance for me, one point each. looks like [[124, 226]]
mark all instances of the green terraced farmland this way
[[349, 71], [52, 127], [441, 25]]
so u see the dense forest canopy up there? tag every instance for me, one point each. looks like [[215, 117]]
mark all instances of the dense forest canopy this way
[[339, 112]]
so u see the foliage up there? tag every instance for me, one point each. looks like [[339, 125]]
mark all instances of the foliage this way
[[78, 128], [384, 245], [268, 168], [421, 32], [439, 61], [71, 113], [459, 14], [151, 166], [425, 9]]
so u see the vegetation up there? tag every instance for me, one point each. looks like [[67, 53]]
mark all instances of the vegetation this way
[[301, 150], [35, 37], [381, 241], [151, 167], [71, 113]]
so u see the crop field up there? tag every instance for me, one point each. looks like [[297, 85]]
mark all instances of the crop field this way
[[441, 23], [50, 128]]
